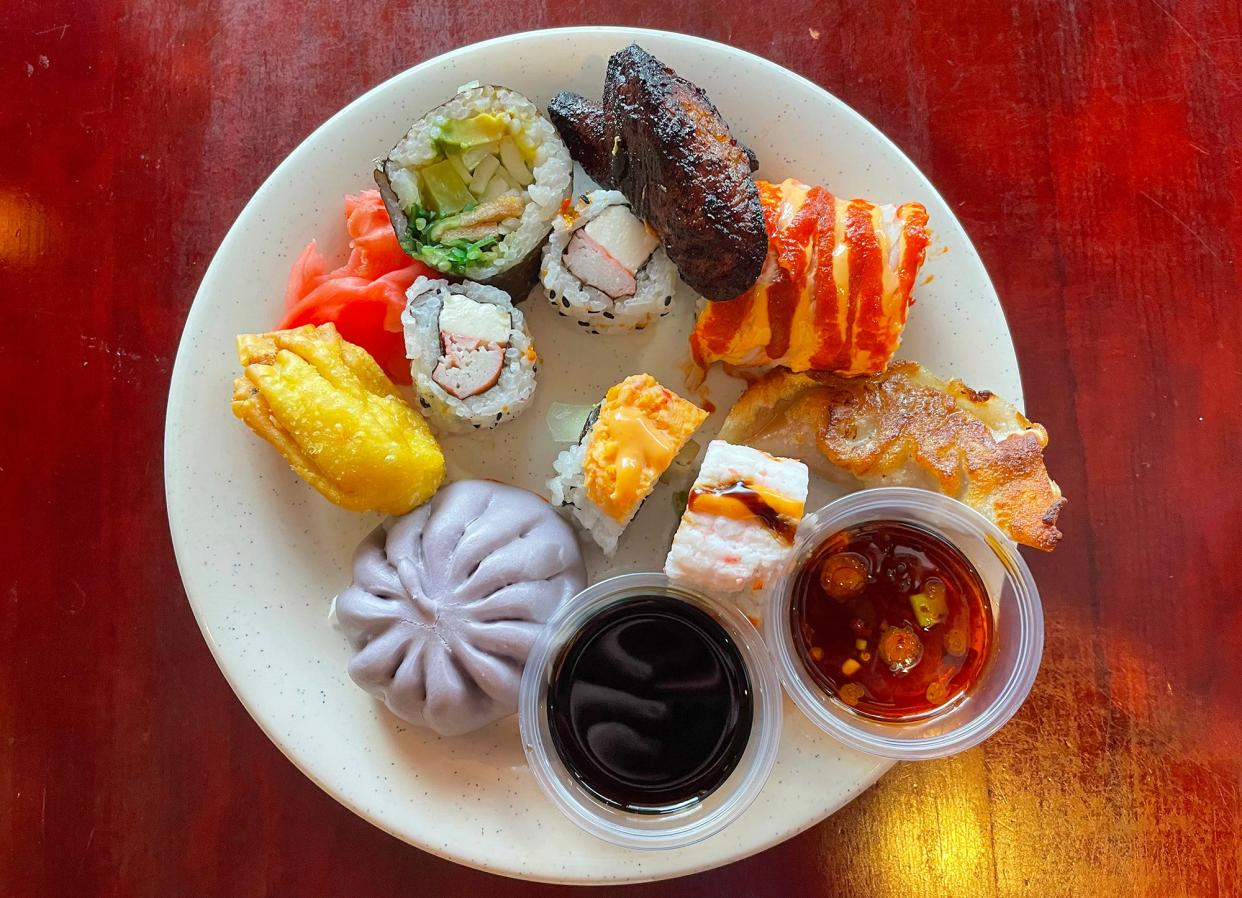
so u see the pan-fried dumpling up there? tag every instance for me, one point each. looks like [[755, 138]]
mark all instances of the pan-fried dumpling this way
[[907, 427], [448, 599]]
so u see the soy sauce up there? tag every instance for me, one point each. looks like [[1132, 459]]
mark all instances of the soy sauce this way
[[891, 619], [650, 705]]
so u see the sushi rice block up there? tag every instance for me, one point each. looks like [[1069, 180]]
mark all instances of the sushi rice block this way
[[628, 442], [738, 528]]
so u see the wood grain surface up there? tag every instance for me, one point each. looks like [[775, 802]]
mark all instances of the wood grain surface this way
[[1090, 149]]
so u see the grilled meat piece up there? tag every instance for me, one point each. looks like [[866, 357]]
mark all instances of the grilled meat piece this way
[[660, 141], [582, 126]]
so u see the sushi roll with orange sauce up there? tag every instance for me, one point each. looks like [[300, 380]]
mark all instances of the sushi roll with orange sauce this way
[[834, 291], [628, 443]]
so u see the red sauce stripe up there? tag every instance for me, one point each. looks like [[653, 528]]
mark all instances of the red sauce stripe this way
[[871, 332], [770, 198], [828, 336], [914, 218], [792, 245], [719, 323], [857, 229]]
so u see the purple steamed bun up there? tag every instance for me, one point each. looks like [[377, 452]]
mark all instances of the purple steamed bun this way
[[448, 600]]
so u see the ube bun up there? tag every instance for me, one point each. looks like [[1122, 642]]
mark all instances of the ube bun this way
[[448, 600]]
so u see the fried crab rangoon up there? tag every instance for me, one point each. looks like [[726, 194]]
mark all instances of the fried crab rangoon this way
[[329, 409]]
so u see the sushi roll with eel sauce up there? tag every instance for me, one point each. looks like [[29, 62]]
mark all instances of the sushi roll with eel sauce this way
[[738, 528], [471, 355]]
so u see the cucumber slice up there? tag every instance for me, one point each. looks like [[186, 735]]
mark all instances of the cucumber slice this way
[[515, 165], [498, 186], [475, 155], [483, 174]]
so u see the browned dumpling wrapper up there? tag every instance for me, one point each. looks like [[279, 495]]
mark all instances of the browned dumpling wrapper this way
[[908, 427]]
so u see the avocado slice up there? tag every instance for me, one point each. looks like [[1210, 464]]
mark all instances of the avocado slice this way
[[445, 191], [470, 132]]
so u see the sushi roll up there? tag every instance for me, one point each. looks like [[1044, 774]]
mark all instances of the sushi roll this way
[[738, 528], [471, 356], [628, 442], [473, 187], [605, 268]]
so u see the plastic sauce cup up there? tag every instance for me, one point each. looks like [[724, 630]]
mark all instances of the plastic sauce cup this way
[[684, 825], [1017, 637]]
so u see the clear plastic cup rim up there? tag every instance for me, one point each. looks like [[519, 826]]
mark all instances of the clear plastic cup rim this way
[[684, 826], [897, 740]]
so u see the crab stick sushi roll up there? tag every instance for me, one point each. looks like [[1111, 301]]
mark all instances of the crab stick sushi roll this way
[[473, 187], [471, 356], [605, 268], [628, 442], [738, 528]]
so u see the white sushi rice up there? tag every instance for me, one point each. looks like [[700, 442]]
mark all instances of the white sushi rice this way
[[593, 309], [568, 487], [553, 170], [421, 324], [727, 557]]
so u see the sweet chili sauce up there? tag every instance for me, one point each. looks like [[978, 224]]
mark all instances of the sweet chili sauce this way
[[892, 620]]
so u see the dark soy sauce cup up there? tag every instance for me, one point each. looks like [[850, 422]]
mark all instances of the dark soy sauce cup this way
[[669, 821]]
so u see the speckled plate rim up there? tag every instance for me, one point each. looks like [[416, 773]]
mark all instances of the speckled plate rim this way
[[179, 515]]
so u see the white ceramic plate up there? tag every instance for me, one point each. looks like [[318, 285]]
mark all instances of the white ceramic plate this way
[[262, 555]]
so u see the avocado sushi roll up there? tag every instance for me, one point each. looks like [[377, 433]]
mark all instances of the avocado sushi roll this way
[[473, 187]]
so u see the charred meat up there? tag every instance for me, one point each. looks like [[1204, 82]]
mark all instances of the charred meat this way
[[581, 124], [659, 140]]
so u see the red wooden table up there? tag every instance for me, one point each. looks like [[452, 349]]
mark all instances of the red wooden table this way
[[1092, 152]]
